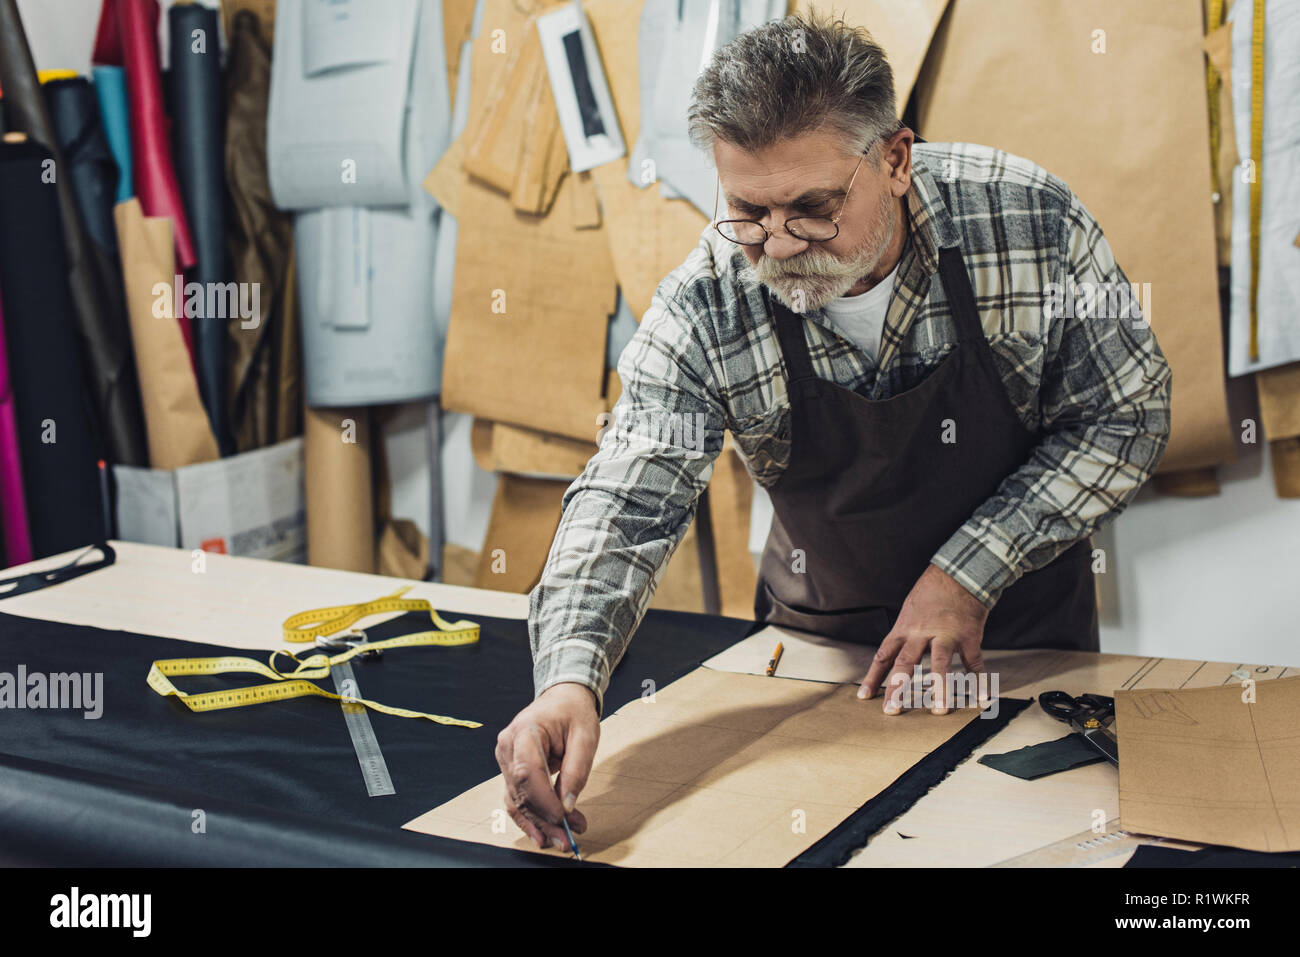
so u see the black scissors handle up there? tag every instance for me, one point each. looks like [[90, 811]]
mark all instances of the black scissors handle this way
[[1059, 705], [1065, 707]]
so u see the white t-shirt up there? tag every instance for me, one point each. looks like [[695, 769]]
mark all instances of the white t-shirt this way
[[861, 318]]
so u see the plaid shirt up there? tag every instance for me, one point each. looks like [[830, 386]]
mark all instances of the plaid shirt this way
[[705, 359]]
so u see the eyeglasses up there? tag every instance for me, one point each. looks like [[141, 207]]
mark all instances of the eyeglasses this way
[[812, 229]]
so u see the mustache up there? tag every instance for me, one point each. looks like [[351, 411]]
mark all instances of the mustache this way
[[811, 269]]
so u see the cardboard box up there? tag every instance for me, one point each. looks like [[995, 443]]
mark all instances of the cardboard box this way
[[250, 504]]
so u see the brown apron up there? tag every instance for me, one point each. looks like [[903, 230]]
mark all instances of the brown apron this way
[[871, 492]]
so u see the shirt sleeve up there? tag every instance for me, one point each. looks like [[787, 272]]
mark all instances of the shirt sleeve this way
[[1104, 398], [625, 515]]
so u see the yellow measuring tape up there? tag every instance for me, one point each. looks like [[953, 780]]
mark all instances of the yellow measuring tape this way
[[1214, 19], [308, 626], [1256, 157]]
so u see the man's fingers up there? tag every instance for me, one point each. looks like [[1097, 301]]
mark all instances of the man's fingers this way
[[974, 662], [525, 825], [901, 675], [971, 657], [529, 783], [579, 753], [940, 666], [880, 665]]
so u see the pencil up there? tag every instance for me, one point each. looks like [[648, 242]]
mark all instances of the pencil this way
[[776, 657], [572, 843]]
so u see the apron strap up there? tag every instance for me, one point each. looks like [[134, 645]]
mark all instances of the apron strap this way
[[790, 335], [961, 298]]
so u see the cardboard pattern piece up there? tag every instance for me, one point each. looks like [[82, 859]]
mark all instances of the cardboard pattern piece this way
[[1204, 764], [649, 236], [731, 494], [903, 28], [525, 515], [1147, 90], [721, 769], [539, 363]]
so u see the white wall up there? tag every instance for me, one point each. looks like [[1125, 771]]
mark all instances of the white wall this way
[[1215, 578]]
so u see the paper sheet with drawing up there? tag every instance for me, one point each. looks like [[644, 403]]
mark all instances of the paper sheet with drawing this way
[[721, 769], [1218, 765]]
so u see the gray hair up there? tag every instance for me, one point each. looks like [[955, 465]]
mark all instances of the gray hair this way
[[793, 76]]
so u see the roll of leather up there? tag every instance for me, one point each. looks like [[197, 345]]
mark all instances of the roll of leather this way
[[340, 496], [64, 510], [179, 433], [108, 41], [74, 113], [266, 385], [98, 308], [199, 138], [110, 90], [151, 158], [13, 504]]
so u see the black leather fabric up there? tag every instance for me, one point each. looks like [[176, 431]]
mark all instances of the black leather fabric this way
[[56, 441], [1153, 855], [279, 782], [74, 114], [194, 83], [1049, 757]]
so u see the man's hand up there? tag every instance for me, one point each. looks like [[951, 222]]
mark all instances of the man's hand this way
[[557, 732], [939, 614]]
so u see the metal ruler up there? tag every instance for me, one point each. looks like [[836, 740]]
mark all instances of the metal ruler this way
[[374, 769]]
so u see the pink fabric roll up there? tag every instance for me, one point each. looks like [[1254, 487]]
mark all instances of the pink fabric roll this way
[[13, 504], [108, 42], [151, 158]]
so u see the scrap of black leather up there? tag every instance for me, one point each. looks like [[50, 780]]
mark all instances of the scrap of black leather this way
[[83, 563], [276, 766], [1153, 855], [1049, 757], [838, 846]]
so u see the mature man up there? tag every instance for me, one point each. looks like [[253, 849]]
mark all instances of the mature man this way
[[892, 335]]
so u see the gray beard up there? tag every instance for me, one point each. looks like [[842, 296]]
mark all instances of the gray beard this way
[[809, 281]]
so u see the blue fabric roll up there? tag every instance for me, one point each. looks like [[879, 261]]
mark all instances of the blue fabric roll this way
[[110, 89]]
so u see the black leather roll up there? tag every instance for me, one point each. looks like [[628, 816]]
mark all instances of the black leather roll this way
[[98, 307], [60, 477], [195, 84], [74, 114]]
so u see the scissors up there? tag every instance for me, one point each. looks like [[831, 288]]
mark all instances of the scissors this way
[[1091, 715]]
